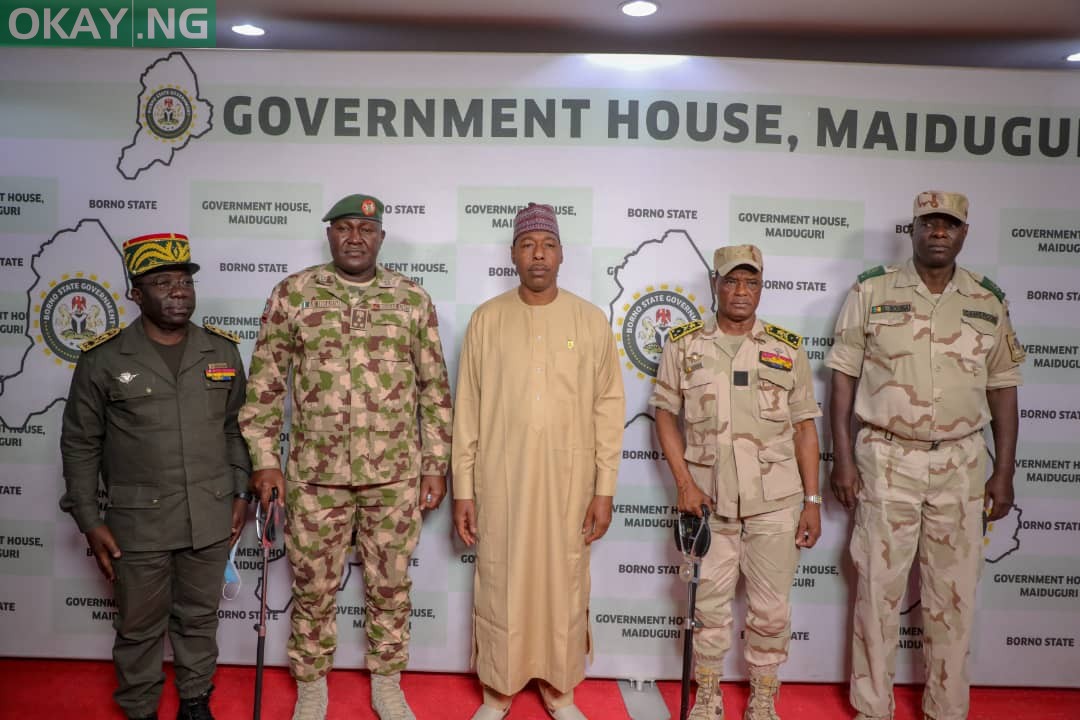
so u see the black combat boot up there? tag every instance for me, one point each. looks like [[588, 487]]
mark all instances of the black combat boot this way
[[196, 708]]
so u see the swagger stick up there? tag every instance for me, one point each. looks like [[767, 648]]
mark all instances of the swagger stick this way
[[692, 537], [266, 531]]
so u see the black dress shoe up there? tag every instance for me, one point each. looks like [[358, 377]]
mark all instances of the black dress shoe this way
[[196, 708]]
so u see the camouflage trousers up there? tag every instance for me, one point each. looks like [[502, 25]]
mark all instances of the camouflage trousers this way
[[762, 549], [930, 501], [321, 521]]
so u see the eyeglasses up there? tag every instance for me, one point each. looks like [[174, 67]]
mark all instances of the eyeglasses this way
[[164, 285]]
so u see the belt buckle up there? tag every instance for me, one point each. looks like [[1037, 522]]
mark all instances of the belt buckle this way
[[934, 444]]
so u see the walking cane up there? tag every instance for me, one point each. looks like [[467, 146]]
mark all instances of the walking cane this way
[[692, 537], [266, 530]]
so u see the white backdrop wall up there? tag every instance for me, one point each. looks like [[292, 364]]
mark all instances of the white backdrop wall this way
[[651, 171]]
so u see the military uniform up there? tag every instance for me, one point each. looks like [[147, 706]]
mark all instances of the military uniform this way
[[170, 454], [370, 413], [741, 397], [924, 364]]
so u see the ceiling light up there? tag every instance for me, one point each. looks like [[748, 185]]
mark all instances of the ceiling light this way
[[249, 30], [639, 8], [630, 61], [1075, 57]]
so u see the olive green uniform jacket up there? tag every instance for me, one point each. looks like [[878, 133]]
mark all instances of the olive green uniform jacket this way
[[168, 448]]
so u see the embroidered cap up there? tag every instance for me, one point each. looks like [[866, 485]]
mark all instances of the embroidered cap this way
[[536, 218], [147, 253]]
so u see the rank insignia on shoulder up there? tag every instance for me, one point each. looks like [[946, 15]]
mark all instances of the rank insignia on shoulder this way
[[785, 336], [100, 339], [223, 333], [993, 288], [219, 372], [901, 308], [775, 360], [682, 331], [871, 273]]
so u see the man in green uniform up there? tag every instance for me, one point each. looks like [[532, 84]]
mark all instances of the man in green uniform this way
[[371, 422], [749, 451], [926, 355], [153, 410]]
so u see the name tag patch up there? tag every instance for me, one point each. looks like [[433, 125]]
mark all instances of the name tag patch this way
[[980, 315], [775, 360], [901, 307]]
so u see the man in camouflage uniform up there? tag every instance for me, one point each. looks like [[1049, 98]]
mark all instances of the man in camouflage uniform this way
[[152, 410], [749, 451], [933, 355], [370, 444]]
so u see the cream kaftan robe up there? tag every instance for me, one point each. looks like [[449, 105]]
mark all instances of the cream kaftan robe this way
[[537, 432]]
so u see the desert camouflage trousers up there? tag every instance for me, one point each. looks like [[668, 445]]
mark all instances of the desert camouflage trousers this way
[[930, 501], [321, 522], [761, 548]]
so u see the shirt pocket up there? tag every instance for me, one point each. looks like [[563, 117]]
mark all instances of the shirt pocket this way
[[389, 337], [322, 454], [774, 387], [890, 336], [974, 345], [132, 515], [700, 419], [779, 470], [322, 395], [216, 393], [565, 366], [321, 336], [136, 404], [390, 375]]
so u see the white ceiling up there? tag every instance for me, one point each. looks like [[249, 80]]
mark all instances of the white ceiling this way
[[997, 33]]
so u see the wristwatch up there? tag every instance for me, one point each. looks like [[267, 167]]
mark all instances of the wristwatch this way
[[245, 495], [816, 499]]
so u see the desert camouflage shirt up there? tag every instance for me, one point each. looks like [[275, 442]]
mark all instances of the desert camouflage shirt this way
[[924, 363], [370, 396], [739, 413]]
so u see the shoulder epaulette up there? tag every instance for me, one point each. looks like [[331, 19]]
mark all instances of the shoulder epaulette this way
[[993, 288], [682, 331], [223, 333], [785, 336], [871, 273], [100, 339]]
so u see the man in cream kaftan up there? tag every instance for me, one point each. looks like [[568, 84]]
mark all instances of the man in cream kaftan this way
[[539, 426]]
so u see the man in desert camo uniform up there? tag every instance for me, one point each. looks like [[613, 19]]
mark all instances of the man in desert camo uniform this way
[[926, 354], [748, 449]]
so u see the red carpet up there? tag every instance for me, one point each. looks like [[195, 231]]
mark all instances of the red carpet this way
[[82, 690]]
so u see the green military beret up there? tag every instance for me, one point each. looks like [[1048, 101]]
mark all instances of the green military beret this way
[[365, 207]]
